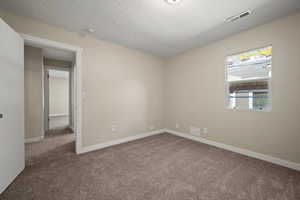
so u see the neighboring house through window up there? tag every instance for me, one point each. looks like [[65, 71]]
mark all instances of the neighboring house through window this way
[[248, 80]]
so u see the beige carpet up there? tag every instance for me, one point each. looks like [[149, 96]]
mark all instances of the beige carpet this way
[[162, 167], [57, 142]]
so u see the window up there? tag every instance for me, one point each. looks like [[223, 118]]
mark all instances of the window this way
[[248, 80]]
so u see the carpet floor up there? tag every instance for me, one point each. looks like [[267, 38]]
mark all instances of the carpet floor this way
[[57, 143], [161, 167]]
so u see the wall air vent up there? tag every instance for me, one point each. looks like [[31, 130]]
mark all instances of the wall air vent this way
[[238, 16]]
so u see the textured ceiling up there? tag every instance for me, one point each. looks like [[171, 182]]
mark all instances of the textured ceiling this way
[[153, 26]]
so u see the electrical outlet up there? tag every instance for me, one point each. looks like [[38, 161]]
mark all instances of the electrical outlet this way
[[83, 95], [113, 128], [195, 131], [177, 126], [205, 130]]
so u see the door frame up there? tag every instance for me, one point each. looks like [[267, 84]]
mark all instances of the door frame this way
[[47, 95], [77, 80]]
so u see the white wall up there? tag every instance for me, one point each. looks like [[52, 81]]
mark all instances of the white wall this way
[[122, 86], [135, 90], [195, 92], [33, 65]]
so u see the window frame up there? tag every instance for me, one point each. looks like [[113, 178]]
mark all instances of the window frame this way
[[270, 83]]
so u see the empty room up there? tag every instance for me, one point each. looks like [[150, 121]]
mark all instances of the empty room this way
[[149, 100]]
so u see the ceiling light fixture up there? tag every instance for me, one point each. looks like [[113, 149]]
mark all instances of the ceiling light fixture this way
[[173, 1], [239, 16]]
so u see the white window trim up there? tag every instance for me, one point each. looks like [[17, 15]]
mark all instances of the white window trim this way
[[227, 83], [251, 100]]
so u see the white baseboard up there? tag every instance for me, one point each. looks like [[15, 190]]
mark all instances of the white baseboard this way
[[271, 159], [119, 141], [34, 139], [274, 160]]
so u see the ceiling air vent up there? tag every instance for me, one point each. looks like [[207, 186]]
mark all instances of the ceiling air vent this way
[[238, 16]]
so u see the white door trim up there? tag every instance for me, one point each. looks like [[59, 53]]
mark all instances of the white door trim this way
[[77, 75]]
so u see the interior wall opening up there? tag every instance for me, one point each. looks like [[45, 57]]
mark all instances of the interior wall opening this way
[[59, 100], [49, 102]]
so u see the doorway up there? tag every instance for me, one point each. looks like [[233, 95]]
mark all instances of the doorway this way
[[14, 86], [49, 101], [59, 103]]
